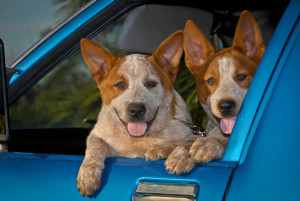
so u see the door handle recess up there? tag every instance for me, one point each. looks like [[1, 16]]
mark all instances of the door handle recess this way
[[165, 192]]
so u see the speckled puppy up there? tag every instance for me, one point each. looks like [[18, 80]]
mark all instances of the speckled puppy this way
[[222, 80], [140, 108]]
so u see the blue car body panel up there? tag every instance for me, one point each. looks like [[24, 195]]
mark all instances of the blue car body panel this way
[[269, 165], [53, 177], [260, 162], [49, 177], [260, 83]]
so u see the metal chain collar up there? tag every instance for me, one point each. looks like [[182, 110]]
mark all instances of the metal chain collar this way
[[195, 129]]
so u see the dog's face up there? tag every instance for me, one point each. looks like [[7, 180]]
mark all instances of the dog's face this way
[[224, 77], [136, 87], [138, 94], [227, 79]]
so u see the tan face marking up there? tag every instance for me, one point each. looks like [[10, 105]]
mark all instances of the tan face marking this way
[[137, 72], [226, 88]]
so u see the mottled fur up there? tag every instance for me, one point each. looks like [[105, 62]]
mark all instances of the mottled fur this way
[[220, 76], [123, 81]]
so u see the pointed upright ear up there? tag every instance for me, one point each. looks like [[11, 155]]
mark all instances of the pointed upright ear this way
[[247, 37], [168, 54], [196, 46], [97, 59]]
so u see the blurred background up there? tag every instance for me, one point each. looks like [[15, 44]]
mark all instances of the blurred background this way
[[67, 96]]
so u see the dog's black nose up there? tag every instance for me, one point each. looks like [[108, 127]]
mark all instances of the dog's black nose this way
[[136, 110], [226, 107]]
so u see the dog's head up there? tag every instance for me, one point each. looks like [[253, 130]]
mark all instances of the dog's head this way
[[223, 77], [136, 87]]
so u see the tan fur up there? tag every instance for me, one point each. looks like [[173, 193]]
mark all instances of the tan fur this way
[[109, 138], [223, 66]]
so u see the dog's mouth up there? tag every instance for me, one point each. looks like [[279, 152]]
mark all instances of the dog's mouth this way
[[227, 115], [137, 129], [227, 124]]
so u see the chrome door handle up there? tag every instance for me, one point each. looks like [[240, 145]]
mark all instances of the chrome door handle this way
[[148, 191]]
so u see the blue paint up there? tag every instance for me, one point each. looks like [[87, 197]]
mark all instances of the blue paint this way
[[48, 177], [259, 84], [263, 148], [269, 164]]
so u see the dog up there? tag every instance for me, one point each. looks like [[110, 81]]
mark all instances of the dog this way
[[140, 112], [222, 80]]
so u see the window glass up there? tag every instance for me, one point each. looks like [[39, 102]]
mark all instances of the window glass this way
[[68, 95], [22, 23], [62, 99]]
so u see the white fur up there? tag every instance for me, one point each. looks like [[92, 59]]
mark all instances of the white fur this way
[[227, 84], [137, 71]]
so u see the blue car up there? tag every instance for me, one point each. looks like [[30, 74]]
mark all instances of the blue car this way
[[261, 160]]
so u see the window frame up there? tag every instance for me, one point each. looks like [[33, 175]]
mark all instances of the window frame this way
[[95, 16], [51, 50]]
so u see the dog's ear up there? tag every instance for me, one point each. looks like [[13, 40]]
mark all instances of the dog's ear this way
[[196, 46], [247, 37], [97, 59], [168, 54]]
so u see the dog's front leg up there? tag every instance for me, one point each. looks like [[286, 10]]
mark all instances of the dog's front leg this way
[[206, 149], [202, 150], [160, 151], [177, 154], [163, 150], [89, 175], [179, 161]]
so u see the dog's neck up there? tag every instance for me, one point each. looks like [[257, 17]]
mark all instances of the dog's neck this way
[[211, 116]]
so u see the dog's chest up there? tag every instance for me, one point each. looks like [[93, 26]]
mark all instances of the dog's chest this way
[[129, 147]]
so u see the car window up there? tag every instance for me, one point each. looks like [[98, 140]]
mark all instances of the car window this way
[[69, 97], [23, 23]]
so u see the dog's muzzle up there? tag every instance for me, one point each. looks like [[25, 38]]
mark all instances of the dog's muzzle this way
[[227, 107], [228, 110], [137, 127], [136, 111]]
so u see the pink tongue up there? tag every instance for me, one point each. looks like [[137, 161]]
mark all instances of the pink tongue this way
[[137, 129], [227, 124]]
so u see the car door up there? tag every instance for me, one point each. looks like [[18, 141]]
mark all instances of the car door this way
[[48, 176], [269, 165], [33, 176]]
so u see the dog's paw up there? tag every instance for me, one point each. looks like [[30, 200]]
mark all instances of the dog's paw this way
[[158, 152], [179, 161], [206, 149], [89, 179]]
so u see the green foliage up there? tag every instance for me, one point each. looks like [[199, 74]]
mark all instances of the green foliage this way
[[68, 7], [185, 85], [68, 95], [64, 98]]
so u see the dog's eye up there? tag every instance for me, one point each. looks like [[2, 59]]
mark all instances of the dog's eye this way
[[241, 77], [120, 85], [211, 81], [151, 84]]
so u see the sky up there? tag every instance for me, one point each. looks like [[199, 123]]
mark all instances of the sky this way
[[22, 22]]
